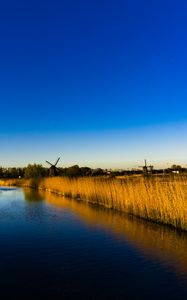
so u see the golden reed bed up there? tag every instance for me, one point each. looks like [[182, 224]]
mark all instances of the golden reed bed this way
[[163, 200]]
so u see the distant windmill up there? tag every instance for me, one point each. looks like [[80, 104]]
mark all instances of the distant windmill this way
[[53, 170], [146, 169]]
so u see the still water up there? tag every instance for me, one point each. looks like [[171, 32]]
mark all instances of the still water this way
[[57, 248]]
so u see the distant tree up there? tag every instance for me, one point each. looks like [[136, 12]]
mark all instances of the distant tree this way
[[1, 172], [73, 171], [98, 172], [63, 172], [8, 173], [20, 172], [34, 171], [176, 167], [86, 171], [13, 173]]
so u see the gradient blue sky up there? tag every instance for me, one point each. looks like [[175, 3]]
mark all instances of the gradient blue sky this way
[[100, 83]]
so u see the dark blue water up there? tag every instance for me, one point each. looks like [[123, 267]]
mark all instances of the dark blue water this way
[[56, 248]]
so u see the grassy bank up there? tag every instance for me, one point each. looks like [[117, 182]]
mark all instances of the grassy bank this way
[[162, 200]]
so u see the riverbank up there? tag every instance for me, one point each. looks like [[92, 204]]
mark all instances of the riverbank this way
[[162, 200]]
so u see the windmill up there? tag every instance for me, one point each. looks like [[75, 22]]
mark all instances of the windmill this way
[[53, 170], [146, 169]]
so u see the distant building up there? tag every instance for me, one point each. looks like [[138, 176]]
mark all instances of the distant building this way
[[175, 172]]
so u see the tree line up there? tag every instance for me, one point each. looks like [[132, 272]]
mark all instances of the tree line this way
[[38, 171]]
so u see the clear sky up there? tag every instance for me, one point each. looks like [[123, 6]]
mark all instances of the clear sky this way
[[100, 83]]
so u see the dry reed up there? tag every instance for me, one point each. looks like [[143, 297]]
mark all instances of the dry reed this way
[[157, 199]]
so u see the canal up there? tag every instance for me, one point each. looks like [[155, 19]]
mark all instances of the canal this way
[[57, 248]]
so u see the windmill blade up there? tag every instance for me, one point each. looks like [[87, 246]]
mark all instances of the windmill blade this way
[[49, 163], [57, 161]]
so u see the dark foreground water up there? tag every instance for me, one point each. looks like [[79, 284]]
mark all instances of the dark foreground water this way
[[56, 248]]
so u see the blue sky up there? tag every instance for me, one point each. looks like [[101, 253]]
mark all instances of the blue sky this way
[[102, 83]]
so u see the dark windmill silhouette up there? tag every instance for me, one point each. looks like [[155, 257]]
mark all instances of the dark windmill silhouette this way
[[53, 170], [146, 169]]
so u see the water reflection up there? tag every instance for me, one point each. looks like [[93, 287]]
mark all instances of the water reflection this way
[[154, 241], [34, 211], [63, 249], [32, 195], [6, 189]]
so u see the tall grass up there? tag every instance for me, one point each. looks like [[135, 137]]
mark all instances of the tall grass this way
[[157, 199]]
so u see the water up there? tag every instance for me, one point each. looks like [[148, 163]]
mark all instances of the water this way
[[57, 248]]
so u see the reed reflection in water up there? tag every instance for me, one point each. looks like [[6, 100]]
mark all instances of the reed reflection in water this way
[[159, 242], [58, 248]]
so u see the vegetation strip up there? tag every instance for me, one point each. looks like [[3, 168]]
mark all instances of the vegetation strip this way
[[162, 200]]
